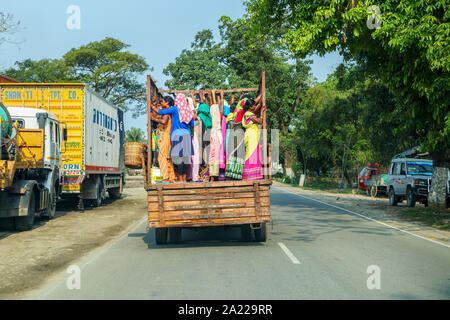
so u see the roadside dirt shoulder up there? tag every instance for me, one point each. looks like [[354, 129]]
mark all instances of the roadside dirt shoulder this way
[[29, 258], [374, 208]]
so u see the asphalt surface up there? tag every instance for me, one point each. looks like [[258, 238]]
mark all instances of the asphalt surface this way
[[314, 251]]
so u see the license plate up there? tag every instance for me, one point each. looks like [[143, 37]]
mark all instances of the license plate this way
[[69, 187]]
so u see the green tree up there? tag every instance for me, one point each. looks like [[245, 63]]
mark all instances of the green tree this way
[[236, 62], [45, 70], [408, 50], [110, 70], [197, 68], [135, 135], [347, 121]]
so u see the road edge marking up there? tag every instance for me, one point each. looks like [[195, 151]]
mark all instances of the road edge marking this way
[[288, 253], [365, 217]]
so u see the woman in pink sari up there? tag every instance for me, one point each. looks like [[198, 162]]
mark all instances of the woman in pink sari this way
[[216, 143], [193, 173]]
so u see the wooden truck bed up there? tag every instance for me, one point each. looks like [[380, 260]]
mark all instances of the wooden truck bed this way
[[208, 204]]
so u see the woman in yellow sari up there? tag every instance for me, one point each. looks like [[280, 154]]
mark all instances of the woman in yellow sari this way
[[253, 163]]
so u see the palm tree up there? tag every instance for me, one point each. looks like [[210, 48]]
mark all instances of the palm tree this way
[[135, 135]]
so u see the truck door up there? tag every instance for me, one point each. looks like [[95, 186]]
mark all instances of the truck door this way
[[394, 176], [55, 144], [402, 179]]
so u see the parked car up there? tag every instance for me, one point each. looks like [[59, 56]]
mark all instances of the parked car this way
[[366, 174], [409, 179]]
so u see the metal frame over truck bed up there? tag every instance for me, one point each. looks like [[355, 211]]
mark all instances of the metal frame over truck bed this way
[[243, 203]]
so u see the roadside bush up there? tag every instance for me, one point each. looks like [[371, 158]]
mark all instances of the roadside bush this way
[[287, 179]]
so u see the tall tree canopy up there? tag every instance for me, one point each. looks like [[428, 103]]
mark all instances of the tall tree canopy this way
[[197, 68], [236, 61], [104, 65], [408, 50], [348, 116]]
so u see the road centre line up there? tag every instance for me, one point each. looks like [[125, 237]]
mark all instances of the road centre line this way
[[288, 253], [367, 218]]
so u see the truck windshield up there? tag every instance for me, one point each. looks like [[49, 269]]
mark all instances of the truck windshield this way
[[423, 168], [363, 172]]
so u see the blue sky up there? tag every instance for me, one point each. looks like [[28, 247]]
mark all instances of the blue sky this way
[[157, 30]]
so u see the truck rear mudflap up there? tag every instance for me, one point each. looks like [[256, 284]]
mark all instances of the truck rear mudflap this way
[[208, 204], [16, 199]]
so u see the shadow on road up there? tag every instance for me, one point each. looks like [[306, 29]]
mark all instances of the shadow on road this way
[[63, 207], [200, 237], [301, 219]]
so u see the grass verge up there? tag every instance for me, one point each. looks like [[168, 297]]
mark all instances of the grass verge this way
[[327, 186], [437, 218]]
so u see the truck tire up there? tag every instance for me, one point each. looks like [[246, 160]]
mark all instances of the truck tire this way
[[393, 199], [410, 197], [114, 193], [51, 210], [98, 202], [261, 234], [373, 191], [175, 235], [246, 233], [25, 223], [161, 235]]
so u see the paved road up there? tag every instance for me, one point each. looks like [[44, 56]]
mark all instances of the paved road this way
[[314, 251]]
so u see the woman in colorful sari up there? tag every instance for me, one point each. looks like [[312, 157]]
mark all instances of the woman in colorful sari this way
[[195, 159], [215, 143], [206, 124], [253, 164], [180, 135], [223, 146], [163, 142], [236, 146]]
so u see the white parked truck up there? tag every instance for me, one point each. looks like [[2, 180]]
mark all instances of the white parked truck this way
[[92, 156], [31, 146]]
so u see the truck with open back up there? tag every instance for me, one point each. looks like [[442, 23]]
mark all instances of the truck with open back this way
[[92, 156], [241, 203]]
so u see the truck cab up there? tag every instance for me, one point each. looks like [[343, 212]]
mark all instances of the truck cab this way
[[30, 118], [30, 165], [366, 174]]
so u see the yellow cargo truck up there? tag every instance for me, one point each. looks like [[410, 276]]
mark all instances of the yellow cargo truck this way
[[92, 156]]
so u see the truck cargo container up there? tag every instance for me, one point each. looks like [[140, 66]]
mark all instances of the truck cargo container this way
[[92, 155]]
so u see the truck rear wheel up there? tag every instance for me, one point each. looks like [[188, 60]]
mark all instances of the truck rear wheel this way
[[246, 233], [114, 193], [26, 222], [98, 202], [261, 234], [393, 199], [175, 235], [161, 235], [410, 198]]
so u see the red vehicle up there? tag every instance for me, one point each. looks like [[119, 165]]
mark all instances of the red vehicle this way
[[366, 174]]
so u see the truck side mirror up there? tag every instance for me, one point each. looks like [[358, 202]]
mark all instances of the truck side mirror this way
[[65, 134], [41, 118]]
